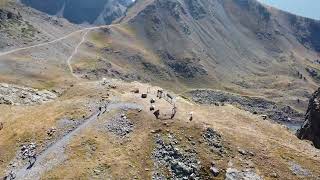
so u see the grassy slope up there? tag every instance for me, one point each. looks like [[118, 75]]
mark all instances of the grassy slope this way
[[96, 149]]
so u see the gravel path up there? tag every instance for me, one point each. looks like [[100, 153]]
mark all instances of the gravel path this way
[[75, 52], [51, 42], [55, 154]]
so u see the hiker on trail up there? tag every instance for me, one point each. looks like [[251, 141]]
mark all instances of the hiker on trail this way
[[100, 111], [190, 116], [157, 113], [174, 111]]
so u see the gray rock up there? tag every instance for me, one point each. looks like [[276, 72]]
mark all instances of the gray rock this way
[[214, 140], [274, 175], [277, 112], [215, 171], [181, 163], [242, 152], [234, 174], [298, 170], [18, 95], [310, 129], [120, 125]]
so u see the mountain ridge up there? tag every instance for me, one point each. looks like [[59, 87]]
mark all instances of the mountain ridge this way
[[97, 12]]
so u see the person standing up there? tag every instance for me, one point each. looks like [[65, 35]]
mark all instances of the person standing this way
[[190, 116]]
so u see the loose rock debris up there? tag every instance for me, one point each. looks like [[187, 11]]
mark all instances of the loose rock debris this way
[[120, 125], [181, 163], [17, 95], [248, 174], [214, 140]]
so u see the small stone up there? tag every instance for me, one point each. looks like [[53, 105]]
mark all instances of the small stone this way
[[215, 171], [155, 131], [136, 91], [251, 153], [242, 152], [193, 176], [274, 175], [96, 172]]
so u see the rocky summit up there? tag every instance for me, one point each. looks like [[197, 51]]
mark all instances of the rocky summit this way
[[310, 129]]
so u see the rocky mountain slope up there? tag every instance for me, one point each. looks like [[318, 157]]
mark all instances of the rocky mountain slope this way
[[234, 45], [22, 26], [310, 129], [96, 11]]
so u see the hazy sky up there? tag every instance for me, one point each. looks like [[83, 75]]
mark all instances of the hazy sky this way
[[307, 8]]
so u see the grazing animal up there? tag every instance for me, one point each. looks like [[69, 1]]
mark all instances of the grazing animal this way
[[159, 94], [157, 113], [174, 111], [169, 98], [152, 108], [144, 96]]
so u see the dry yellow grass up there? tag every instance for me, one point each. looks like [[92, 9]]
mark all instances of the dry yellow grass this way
[[3, 2], [95, 149]]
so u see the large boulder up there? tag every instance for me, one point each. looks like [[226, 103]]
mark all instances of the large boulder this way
[[310, 129]]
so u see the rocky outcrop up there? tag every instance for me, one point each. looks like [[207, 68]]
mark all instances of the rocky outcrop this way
[[310, 129], [255, 105], [17, 95]]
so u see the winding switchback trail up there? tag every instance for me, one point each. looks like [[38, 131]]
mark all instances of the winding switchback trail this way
[[75, 52], [55, 153], [51, 42]]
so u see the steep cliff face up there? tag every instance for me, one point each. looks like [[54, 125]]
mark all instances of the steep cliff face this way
[[311, 127], [82, 11]]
